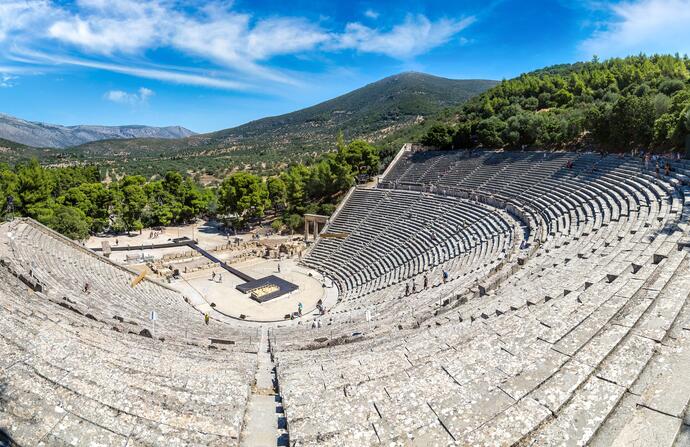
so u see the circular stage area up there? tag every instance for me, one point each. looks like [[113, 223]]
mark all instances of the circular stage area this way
[[221, 290]]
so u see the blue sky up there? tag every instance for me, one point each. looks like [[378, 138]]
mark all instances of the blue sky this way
[[208, 65]]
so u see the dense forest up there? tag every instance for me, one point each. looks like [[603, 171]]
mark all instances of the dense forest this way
[[77, 202], [639, 102]]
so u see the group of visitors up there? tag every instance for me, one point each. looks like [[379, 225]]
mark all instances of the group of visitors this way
[[154, 234], [213, 277], [658, 161], [411, 287]]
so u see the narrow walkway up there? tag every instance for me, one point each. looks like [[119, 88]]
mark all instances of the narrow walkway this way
[[243, 276], [264, 421]]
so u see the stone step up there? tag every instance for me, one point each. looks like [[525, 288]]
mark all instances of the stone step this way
[[580, 418]]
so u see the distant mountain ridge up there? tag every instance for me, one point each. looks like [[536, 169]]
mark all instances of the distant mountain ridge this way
[[38, 134]]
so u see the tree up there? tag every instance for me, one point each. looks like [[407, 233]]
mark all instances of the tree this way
[[489, 132], [8, 186], [463, 135], [631, 122], [295, 186], [277, 225], [439, 136], [295, 223], [362, 157], [277, 192], [563, 97], [35, 187], [70, 221], [131, 201], [244, 195]]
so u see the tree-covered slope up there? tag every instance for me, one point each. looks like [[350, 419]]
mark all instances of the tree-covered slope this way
[[368, 112], [364, 112], [639, 102]]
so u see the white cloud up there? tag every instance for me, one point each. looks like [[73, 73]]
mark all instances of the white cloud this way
[[161, 73], [649, 26], [18, 15], [105, 36], [7, 80], [371, 14], [141, 96], [121, 35], [415, 36]]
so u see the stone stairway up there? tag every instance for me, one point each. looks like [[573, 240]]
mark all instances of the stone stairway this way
[[264, 422]]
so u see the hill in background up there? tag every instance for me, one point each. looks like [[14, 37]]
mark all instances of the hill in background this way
[[371, 112], [37, 134]]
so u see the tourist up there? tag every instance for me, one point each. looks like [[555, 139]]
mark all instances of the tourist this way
[[87, 287], [213, 276], [117, 242], [279, 267], [407, 289], [414, 287], [426, 281], [207, 317], [667, 168], [318, 324], [299, 308], [656, 170], [220, 278], [445, 276]]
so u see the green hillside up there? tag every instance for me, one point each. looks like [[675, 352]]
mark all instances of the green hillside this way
[[371, 112], [638, 102], [13, 152]]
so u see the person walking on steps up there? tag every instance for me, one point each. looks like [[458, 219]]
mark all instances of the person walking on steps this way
[[207, 317]]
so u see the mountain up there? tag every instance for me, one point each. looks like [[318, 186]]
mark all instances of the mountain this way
[[367, 112], [370, 112], [50, 135]]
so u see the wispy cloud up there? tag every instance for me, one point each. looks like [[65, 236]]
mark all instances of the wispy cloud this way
[[649, 26], [101, 34], [161, 73], [416, 35], [139, 97], [7, 80], [371, 14]]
